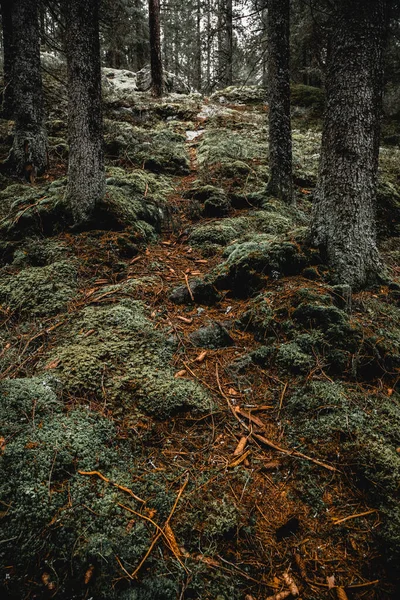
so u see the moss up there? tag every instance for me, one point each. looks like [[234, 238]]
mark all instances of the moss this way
[[308, 96], [246, 94], [158, 151], [136, 200], [367, 429], [249, 263], [388, 209], [291, 357], [40, 290], [124, 360], [222, 519]]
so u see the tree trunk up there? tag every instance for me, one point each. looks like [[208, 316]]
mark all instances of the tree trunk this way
[[229, 43], [280, 183], [86, 181], [155, 49], [343, 223], [28, 156], [7, 107], [198, 74]]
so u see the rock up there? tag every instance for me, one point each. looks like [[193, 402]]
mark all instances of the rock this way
[[203, 293], [217, 205], [213, 336]]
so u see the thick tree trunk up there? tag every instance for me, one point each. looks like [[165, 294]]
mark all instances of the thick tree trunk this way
[[7, 107], [28, 156], [86, 180], [155, 49], [344, 212], [280, 183]]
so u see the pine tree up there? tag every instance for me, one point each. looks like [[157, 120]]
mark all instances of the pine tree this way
[[344, 211], [157, 83], [28, 156], [280, 183], [86, 178]]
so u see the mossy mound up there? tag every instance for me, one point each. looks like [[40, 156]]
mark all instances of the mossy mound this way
[[135, 200], [40, 291], [160, 151], [388, 209], [367, 428], [123, 360], [308, 96], [222, 233], [246, 94], [225, 154], [248, 264], [60, 524]]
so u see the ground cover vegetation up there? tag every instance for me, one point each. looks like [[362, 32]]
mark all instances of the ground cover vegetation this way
[[193, 405]]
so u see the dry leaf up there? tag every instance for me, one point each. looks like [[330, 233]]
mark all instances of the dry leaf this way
[[280, 596], [2, 445], [169, 534], [201, 356], [185, 319], [53, 364], [89, 574], [240, 447]]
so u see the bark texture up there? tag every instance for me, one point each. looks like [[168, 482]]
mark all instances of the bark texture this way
[[280, 183], [86, 178], [155, 49], [7, 107], [28, 156], [344, 212]]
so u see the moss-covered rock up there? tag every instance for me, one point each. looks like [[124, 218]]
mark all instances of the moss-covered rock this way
[[249, 263], [135, 200], [160, 151], [116, 354], [40, 291], [308, 97]]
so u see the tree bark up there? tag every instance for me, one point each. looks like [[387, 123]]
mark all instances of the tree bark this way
[[28, 156], [7, 107], [280, 183], [198, 61], [86, 180], [343, 224], [157, 83]]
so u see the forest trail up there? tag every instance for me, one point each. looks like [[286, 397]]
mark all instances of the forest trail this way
[[189, 351]]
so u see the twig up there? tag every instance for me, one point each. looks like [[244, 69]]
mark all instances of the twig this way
[[120, 487], [188, 286], [363, 514]]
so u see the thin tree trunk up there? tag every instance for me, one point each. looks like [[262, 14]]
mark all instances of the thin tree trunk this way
[[28, 156], [86, 181], [155, 49], [280, 183], [7, 108], [209, 43], [229, 43], [344, 211], [198, 74]]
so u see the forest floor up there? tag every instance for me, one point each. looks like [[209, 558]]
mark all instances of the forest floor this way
[[190, 409]]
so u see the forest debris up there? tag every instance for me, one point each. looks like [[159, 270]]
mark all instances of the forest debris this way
[[89, 575], [200, 358], [288, 579], [267, 442], [341, 594], [301, 565], [180, 374], [239, 460], [46, 580], [120, 487], [280, 595], [241, 446], [331, 582], [363, 514], [188, 287], [185, 320], [250, 417], [169, 534]]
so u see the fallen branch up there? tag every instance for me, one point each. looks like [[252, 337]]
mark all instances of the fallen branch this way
[[363, 514]]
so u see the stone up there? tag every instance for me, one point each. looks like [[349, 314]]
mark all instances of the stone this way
[[212, 336]]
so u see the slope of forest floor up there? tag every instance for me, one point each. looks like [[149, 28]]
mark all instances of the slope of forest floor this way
[[189, 408]]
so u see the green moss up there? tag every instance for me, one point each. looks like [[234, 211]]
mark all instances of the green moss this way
[[160, 151], [40, 290], [136, 200], [290, 357], [308, 96], [249, 263], [124, 360], [246, 94]]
